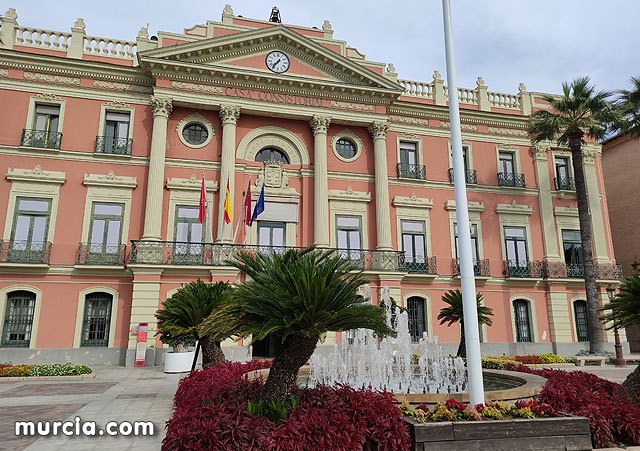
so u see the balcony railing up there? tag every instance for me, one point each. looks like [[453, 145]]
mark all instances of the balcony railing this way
[[423, 265], [565, 183], [481, 268], [41, 138], [412, 171], [471, 176], [561, 270], [30, 252], [534, 269], [99, 254], [511, 180], [113, 146], [215, 254]]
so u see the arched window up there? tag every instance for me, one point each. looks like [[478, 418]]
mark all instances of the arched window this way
[[582, 321], [272, 154], [97, 318], [523, 320], [417, 317], [18, 319]]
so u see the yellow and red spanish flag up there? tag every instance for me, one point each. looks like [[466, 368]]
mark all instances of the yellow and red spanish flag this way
[[228, 216]]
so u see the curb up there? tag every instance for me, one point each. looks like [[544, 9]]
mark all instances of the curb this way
[[48, 378]]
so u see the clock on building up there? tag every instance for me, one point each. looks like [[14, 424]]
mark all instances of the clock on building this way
[[277, 62]]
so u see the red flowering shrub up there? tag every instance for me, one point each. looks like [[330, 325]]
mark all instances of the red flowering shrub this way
[[527, 359], [457, 405], [211, 413], [613, 416]]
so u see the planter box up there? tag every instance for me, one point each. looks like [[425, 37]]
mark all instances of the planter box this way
[[178, 362], [559, 433]]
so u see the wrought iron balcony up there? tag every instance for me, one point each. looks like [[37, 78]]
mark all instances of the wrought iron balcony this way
[[511, 180], [608, 271], [113, 146], [565, 183], [561, 270], [412, 171], [41, 138], [534, 269], [471, 176], [575, 270], [481, 268], [423, 265], [30, 252], [99, 254]]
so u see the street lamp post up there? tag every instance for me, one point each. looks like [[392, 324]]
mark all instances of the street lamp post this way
[[619, 361]]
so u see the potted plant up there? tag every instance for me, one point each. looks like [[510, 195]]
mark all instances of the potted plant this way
[[178, 358]]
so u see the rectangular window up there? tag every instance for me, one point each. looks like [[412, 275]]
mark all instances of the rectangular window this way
[[506, 163], [105, 231], [415, 310], [29, 233], [18, 319], [408, 153], [414, 246], [349, 237], [45, 128], [562, 167], [523, 327], [572, 248], [582, 320], [515, 243], [97, 319], [189, 236], [474, 241], [116, 133], [271, 236]]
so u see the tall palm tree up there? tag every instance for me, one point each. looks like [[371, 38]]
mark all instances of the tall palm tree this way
[[628, 104], [453, 313], [579, 112], [624, 311], [183, 313], [295, 297]]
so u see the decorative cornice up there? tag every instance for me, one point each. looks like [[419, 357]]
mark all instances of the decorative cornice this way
[[378, 130], [507, 131], [162, 106], [110, 180], [4, 72], [350, 195], [207, 89], [51, 78], [571, 210], [464, 127], [229, 114], [409, 120], [412, 202], [47, 96], [118, 105], [472, 206], [191, 184], [410, 136], [320, 124], [514, 208], [121, 86], [351, 106], [36, 175]]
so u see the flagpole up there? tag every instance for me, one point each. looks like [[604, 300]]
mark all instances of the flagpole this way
[[467, 277]]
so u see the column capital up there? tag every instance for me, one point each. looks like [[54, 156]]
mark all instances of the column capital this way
[[589, 155], [320, 124], [229, 114], [539, 152], [162, 106], [378, 130]]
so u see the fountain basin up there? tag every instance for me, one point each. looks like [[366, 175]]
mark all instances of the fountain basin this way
[[520, 386]]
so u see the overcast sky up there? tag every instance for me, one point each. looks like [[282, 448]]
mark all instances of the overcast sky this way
[[538, 42]]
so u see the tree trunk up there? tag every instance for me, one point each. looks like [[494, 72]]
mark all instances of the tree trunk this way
[[632, 383], [289, 356], [211, 352], [596, 330], [462, 347]]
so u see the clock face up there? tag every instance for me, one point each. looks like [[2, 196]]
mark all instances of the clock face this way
[[277, 62]]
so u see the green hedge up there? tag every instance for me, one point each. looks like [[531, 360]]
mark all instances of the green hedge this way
[[54, 369]]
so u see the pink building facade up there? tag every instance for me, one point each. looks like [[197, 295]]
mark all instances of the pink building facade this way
[[105, 143]]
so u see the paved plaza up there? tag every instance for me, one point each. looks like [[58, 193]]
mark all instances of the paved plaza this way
[[116, 394]]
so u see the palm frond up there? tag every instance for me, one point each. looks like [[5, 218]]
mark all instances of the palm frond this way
[[624, 309], [453, 313]]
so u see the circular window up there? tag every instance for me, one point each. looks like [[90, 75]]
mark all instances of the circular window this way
[[346, 148], [195, 133], [270, 154]]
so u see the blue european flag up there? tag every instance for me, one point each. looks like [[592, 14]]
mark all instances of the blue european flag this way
[[259, 208]]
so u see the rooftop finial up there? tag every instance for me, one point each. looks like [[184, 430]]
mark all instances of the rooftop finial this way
[[275, 15], [228, 10], [326, 26], [11, 14], [79, 23]]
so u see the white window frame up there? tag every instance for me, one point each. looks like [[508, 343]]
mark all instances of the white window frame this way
[[186, 192], [113, 320], [351, 136], [427, 308], [349, 203], [517, 169], [50, 100], [199, 119], [469, 154], [515, 215], [475, 210], [410, 139], [113, 107]]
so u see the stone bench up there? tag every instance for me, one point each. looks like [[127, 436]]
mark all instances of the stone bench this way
[[582, 359]]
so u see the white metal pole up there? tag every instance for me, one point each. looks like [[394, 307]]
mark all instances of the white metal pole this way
[[467, 279]]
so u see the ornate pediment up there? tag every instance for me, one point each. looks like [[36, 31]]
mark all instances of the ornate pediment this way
[[241, 57]]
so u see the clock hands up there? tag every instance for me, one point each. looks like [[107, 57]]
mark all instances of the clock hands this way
[[276, 63]]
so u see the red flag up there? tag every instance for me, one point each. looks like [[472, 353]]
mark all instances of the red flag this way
[[203, 203], [247, 204]]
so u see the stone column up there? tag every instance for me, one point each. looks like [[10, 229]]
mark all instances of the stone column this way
[[162, 107], [598, 237], [558, 313], [145, 301], [378, 132], [229, 115], [547, 216], [320, 126]]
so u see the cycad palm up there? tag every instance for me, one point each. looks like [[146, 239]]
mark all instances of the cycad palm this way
[[628, 104], [453, 313], [580, 111], [295, 296], [624, 311], [183, 313]]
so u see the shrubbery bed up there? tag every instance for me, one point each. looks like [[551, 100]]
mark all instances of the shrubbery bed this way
[[210, 412], [54, 369]]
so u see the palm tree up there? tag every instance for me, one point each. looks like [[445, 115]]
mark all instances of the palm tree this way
[[624, 312], [183, 313], [453, 314], [628, 104], [295, 297], [580, 111]]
